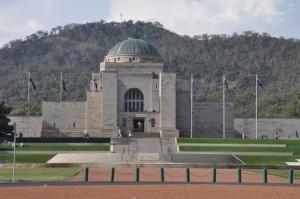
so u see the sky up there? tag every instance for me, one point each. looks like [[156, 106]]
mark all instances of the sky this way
[[20, 18]]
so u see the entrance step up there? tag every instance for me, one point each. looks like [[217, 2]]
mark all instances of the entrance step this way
[[145, 135], [144, 145]]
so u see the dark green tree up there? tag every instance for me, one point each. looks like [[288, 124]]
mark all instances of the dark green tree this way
[[4, 126]]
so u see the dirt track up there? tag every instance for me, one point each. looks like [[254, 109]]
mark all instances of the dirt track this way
[[152, 191], [160, 191]]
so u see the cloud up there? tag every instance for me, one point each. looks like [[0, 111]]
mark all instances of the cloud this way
[[195, 17]]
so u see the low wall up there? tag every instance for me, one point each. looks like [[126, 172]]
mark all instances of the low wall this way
[[30, 127], [267, 127]]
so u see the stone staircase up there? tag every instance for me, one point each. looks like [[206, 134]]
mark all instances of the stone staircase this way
[[144, 145]]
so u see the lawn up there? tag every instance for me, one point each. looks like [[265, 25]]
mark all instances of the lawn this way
[[57, 148], [38, 174], [26, 158], [268, 160], [292, 146]]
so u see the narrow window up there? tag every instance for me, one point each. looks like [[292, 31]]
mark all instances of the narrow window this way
[[74, 125], [124, 122], [152, 122], [53, 124]]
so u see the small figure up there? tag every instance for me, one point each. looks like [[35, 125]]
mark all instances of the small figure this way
[[129, 134], [86, 136], [119, 132], [20, 135], [225, 83], [22, 145]]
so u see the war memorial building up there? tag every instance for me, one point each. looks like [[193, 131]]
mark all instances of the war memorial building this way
[[133, 92]]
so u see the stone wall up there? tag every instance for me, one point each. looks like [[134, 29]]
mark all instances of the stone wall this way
[[30, 127], [93, 113], [109, 103], [66, 121], [267, 127], [207, 118], [183, 113], [168, 105]]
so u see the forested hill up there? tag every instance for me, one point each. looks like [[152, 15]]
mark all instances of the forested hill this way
[[77, 49]]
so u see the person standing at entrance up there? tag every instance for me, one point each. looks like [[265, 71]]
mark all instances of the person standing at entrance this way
[[119, 132]]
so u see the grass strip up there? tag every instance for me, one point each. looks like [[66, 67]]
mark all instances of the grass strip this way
[[58, 140], [26, 158], [232, 149], [268, 160], [57, 148], [38, 174]]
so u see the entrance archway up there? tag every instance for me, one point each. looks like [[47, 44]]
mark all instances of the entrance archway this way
[[139, 124]]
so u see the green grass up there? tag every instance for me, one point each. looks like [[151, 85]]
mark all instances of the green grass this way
[[277, 172], [284, 173], [236, 141], [268, 160], [293, 146], [232, 149], [57, 148], [38, 174], [26, 158], [58, 140]]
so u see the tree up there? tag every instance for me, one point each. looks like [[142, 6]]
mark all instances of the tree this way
[[5, 128]]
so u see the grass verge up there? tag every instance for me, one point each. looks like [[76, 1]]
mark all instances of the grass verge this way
[[57, 148], [268, 160], [38, 174], [26, 158]]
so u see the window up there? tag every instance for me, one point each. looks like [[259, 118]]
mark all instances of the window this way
[[74, 125], [152, 122], [53, 124], [124, 122], [134, 100]]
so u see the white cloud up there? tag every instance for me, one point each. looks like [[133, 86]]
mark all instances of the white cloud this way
[[194, 17], [20, 18]]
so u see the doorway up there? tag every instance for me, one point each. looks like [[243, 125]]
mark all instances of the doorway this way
[[138, 124]]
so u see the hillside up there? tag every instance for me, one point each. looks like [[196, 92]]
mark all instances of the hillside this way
[[76, 51]]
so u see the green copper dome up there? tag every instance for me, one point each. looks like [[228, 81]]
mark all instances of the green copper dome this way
[[133, 47]]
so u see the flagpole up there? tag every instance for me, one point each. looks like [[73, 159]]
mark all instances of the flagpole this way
[[14, 161], [192, 105], [93, 84], [60, 102], [28, 102], [256, 109], [60, 90], [223, 106]]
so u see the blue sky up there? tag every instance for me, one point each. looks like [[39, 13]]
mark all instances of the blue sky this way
[[19, 18]]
